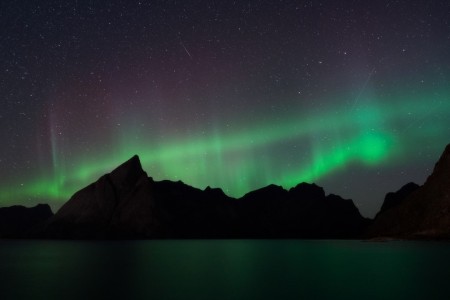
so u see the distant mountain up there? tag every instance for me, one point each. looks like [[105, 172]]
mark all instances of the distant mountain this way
[[393, 199], [127, 204], [302, 212], [22, 222], [423, 212]]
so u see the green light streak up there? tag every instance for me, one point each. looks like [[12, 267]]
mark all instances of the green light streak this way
[[240, 160], [370, 150]]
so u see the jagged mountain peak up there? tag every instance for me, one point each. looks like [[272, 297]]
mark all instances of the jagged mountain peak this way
[[128, 172]]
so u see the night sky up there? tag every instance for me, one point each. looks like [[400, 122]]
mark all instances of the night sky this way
[[351, 95]]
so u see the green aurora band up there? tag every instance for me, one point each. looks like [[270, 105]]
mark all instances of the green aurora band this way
[[371, 134]]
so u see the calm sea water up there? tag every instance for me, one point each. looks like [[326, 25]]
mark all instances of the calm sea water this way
[[224, 269]]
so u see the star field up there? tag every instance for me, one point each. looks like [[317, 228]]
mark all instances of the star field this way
[[351, 95]]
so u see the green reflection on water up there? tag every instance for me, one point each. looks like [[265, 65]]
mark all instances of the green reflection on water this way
[[225, 269]]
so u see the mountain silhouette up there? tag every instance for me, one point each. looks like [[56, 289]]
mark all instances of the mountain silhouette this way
[[126, 203], [120, 203], [21, 222], [424, 212], [302, 212]]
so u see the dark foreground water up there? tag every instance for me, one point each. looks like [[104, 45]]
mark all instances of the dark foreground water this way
[[224, 269]]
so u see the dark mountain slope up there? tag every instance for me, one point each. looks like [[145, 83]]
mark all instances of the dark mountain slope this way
[[424, 213]]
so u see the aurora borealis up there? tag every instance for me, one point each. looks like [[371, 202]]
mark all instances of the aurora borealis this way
[[351, 95]]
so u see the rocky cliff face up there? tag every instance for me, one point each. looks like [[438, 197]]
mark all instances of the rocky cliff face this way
[[127, 204], [424, 213]]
